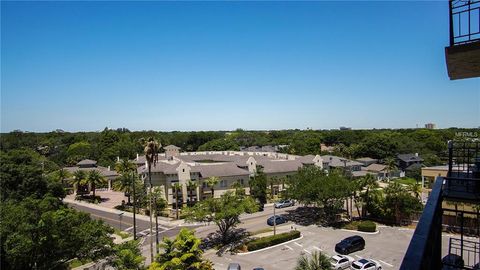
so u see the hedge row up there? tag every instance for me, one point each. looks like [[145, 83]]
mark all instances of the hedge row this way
[[271, 240], [367, 226]]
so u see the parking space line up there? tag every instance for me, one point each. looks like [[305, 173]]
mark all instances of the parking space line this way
[[288, 247], [307, 251], [128, 229], [317, 248], [358, 257], [298, 244], [385, 263]]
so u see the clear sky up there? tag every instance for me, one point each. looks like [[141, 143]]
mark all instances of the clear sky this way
[[226, 65]]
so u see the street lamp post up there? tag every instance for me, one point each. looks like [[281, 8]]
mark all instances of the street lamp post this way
[[120, 219]]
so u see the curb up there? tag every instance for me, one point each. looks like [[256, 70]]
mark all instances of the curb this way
[[270, 247], [377, 232]]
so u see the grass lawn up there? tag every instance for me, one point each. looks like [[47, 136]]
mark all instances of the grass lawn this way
[[406, 181]]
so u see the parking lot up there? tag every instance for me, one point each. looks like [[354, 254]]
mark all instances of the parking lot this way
[[388, 247]]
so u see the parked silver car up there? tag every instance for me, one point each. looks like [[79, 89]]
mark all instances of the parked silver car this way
[[284, 203]]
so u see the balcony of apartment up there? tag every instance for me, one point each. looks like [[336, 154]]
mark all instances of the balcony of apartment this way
[[463, 53], [460, 186]]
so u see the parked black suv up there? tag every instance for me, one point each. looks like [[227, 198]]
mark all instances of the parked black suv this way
[[350, 244]]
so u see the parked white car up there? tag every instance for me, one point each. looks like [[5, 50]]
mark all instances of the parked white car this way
[[341, 261], [366, 264]]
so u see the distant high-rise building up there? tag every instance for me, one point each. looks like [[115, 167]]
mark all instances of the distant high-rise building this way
[[430, 126]]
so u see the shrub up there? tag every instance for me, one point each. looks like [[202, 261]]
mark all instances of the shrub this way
[[271, 240], [367, 226]]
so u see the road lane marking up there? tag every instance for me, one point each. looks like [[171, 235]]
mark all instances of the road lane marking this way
[[317, 248], [288, 247], [307, 251], [111, 219], [358, 257], [385, 263], [298, 244]]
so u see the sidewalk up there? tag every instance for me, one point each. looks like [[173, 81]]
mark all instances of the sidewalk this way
[[161, 220]]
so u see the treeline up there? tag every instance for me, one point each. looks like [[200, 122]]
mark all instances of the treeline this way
[[64, 148]]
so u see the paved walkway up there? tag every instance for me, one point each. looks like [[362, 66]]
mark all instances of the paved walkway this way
[[112, 198]]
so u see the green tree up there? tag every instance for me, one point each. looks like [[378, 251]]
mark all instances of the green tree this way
[[45, 234], [318, 261], [391, 166], [224, 212], [95, 178], [399, 203], [125, 166], [365, 185], [181, 253], [21, 175], [127, 256], [79, 180], [258, 186], [61, 175], [211, 183], [125, 184], [78, 151]]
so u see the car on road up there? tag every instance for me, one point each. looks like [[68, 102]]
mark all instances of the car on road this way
[[234, 266], [278, 220], [284, 203], [350, 244], [341, 261], [452, 261], [258, 268], [366, 264]]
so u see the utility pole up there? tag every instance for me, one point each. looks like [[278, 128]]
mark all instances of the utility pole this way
[[134, 208], [150, 206], [156, 226], [274, 221]]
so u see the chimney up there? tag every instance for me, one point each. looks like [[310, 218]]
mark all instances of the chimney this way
[[118, 159], [109, 167], [416, 154], [137, 156]]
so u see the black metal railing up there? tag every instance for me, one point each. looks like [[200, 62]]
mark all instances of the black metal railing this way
[[468, 250], [464, 21], [424, 251]]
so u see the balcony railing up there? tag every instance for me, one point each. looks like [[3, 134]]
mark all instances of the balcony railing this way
[[464, 21], [424, 251]]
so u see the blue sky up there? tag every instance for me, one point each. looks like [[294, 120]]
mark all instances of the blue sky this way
[[226, 65]]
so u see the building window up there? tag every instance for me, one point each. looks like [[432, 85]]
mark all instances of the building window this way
[[240, 181], [183, 170], [223, 183]]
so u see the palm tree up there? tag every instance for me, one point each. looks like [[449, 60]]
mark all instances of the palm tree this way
[[318, 261], [79, 179], [416, 189], [176, 187], [125, 166], [368, 183], [191, 186], [391, 166], [125, 184], [151, 155], [61, 175], [95, 178], [211, 183]]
